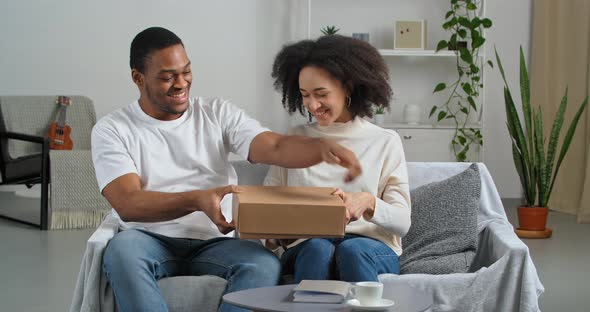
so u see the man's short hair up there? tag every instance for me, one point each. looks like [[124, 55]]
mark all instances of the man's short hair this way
[[150, 40]]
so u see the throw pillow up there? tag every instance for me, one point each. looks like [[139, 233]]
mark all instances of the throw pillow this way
[[443, 236]]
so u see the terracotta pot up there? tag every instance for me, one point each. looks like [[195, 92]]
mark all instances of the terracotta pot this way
[[532, 218]]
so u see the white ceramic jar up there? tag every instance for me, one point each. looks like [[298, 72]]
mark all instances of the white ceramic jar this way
[[412, 114]]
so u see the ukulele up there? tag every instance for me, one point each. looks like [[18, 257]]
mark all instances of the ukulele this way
[[59, 132]]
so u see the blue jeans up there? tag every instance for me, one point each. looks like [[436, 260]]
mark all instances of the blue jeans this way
[[134, 260], [353, 258]]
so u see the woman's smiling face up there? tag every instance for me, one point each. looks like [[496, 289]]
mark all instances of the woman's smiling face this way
[[324, 97]]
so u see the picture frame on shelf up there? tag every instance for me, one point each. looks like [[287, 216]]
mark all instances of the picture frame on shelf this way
[[409, 35]]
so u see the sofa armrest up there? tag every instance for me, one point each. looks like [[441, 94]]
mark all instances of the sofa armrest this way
[[107, 230], [90, 292], [502, 277], [497, 240]]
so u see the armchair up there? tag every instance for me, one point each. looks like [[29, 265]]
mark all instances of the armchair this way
[[66, 177], [29, 170]]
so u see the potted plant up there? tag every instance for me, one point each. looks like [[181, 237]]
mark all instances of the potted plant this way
[[379, 115], [534, 160], [466, 38], [329, 30]]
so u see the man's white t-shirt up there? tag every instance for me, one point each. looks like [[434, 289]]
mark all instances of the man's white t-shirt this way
[[184, 154]]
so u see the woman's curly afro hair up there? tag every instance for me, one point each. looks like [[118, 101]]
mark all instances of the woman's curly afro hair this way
[[355, 63]]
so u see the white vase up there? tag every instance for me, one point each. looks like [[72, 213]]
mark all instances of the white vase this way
[[379, 119], [412, 114]]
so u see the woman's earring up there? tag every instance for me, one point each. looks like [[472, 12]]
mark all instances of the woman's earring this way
[[349, 100]]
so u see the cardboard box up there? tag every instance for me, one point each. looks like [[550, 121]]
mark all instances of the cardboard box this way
[[288, 212]]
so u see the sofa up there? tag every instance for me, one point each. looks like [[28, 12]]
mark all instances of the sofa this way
[[500, 276]]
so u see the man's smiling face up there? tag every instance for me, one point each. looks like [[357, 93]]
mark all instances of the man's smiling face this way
[[165, 83]]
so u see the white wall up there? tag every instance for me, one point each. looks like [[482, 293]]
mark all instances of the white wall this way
[[82, 47], [512, 28]]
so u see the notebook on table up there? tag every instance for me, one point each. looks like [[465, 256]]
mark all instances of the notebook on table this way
[[321, 291]]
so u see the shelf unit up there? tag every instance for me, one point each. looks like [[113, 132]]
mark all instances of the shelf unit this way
[[425, 126], [430, 53], [426, 141], [430, 141]]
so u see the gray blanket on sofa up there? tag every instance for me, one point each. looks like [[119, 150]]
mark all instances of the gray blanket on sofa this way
[[502, 277]]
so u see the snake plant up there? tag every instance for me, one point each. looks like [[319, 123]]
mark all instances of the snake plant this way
[[535, 162]]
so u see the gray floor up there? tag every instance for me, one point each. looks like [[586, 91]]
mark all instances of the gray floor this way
[[562, 261], [38, 269]]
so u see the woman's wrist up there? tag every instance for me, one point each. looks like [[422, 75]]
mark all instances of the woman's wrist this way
[[370, 202]]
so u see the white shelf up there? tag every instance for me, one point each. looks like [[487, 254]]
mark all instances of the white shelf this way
[[391, 52], [426, 126]]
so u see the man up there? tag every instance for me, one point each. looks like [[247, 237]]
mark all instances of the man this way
[[162, 163]]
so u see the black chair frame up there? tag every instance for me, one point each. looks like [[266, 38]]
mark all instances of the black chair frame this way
[[42, 178]]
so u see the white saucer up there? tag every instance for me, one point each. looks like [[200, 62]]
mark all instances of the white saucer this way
[[383, 305]]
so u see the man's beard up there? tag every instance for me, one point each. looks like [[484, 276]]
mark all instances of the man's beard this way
[[163, 107]]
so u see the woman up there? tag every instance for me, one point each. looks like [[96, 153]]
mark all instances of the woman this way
[[339, 80]]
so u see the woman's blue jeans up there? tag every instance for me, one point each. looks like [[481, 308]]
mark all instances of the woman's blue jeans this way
[[353, 258], [134, 260]]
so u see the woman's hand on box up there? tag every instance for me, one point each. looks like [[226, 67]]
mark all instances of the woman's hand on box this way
[[357, 204]]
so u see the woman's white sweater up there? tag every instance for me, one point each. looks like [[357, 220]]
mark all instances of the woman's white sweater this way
[[385, 176]]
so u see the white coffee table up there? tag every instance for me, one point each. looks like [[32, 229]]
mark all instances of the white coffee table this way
[[280, 298]]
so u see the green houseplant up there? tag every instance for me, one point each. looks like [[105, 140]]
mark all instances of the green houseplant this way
[[534, 160], [329, 30], [467, 37]]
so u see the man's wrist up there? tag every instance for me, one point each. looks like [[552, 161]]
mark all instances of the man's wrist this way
[[321, 144], [193, 198]]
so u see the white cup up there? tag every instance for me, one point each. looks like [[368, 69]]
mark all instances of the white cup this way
[[368, 293]]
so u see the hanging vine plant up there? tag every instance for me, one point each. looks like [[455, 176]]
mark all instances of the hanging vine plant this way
[[467, 37]]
